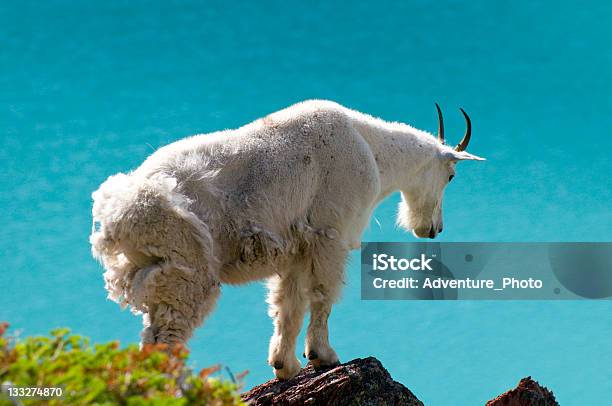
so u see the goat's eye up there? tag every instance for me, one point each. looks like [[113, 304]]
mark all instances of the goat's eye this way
[[451, 177]]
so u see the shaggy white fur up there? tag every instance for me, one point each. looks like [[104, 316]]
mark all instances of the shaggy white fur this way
[[283, 198]]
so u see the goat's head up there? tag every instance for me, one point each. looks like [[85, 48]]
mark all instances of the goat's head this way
[[421, 206]]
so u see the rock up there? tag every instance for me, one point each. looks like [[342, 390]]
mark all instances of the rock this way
[[527, 393], [358, 382], [366, 382]]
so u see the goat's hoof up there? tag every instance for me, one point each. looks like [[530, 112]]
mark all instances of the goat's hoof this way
[[322, 358], [289, 368], [303, 355]]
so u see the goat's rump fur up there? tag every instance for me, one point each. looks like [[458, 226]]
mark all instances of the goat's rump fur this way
[[139, 222], [157, 254]]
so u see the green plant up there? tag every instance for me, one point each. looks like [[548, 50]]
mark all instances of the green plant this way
[[105, 374]]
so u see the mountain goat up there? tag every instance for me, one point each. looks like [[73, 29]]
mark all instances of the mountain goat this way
[[283, 198]]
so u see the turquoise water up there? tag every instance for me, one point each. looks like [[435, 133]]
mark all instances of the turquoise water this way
[[91, 89]]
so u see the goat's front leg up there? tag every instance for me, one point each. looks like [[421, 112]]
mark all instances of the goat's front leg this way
[[287, 307], [317, 349], [325, 281]]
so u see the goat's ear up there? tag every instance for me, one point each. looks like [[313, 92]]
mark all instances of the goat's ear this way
[[453, 155]]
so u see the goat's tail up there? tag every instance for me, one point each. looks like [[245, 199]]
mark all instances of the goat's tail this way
[[138, 222]]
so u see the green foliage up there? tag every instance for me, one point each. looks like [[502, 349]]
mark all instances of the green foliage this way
[[105, 374]]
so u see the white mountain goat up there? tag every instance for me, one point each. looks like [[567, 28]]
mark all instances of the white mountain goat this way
[[283, 198]]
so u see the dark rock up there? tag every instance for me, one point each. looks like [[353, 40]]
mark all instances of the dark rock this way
[[527, 393], [359, 382]]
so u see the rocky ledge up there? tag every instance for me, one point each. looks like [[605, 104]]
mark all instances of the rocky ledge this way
[[358, 382], [527, 393], [366, 382]]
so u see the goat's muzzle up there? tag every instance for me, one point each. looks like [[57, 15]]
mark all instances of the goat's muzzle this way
[[432, 232]]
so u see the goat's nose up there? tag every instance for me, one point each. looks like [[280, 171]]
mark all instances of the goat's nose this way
[[440, 229], [432, 233]]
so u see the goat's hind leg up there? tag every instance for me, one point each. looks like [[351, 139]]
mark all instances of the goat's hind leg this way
[[176, 302]]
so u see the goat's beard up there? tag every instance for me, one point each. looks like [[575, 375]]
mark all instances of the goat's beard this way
[[404, 216], [412, 221]]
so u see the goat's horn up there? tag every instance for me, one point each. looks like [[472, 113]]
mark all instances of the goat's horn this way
[[440, 125], [468, 133]]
